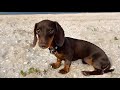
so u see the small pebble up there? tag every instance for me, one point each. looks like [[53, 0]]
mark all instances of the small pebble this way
[[25, 63]]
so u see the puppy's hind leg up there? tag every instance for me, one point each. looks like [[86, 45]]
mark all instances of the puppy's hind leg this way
[[95, 72], [95, 64]]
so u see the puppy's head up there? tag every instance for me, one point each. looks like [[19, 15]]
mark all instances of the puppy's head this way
[[46, 32]]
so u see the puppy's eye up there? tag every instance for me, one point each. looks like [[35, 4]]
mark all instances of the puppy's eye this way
[[37, 31], [51, 31]]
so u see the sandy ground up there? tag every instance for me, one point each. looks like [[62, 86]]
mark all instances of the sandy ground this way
[[16, 35]]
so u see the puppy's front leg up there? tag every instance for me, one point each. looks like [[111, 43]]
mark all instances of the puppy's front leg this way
[[66, 67], [57, 64]]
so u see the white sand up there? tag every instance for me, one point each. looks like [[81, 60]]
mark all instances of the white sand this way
[[16, 34]]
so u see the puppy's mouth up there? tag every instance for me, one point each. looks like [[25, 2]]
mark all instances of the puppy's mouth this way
[[43, 46]]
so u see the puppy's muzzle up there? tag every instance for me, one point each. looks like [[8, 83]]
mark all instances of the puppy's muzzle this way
[[43, 46]]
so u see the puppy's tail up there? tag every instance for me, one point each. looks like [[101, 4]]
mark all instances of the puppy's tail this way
[[107, 69], [110, 70]]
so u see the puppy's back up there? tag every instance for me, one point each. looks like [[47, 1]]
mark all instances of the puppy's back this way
[[83, 48]]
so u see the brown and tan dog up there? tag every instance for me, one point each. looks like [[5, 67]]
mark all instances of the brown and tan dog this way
[[51, 35]]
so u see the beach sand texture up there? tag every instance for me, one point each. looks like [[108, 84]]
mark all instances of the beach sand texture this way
[[16, 35]]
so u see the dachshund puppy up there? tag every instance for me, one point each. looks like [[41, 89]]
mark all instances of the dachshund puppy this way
[[51, 35]]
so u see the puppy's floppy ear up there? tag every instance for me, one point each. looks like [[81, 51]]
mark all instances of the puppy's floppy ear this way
[[59, 35], [35, 36]]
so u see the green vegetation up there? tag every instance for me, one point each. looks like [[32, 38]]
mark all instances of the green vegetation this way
[[30, 70]]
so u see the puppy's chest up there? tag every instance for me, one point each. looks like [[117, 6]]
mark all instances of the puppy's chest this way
[[59, 55], [58, 52]]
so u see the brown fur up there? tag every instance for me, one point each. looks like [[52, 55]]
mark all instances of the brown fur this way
[[51, 35], [57, 64]]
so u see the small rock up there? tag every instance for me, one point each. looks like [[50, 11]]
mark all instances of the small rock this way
[[25, 63], [118, 46], [4, 71], [74, 75], [115, 38]]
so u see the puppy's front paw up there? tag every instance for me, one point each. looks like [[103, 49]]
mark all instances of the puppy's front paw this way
[[62, 71], [54, 65], [85, 73]]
